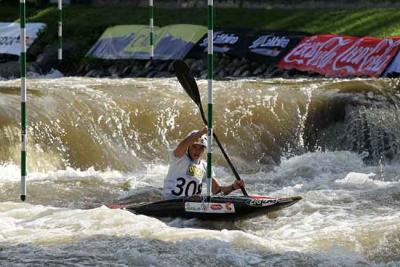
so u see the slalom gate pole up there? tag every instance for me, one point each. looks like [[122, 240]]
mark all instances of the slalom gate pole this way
[[210, 94], [151, 7], [60, 24], [23, 97]]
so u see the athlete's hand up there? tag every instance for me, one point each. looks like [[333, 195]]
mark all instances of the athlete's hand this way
[[238, 184]]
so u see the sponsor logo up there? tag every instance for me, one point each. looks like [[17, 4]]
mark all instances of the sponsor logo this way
[[317, 52], [204, 207], [222, 38], [342, 55], [261, 202], [363, 56], [216, 206], [9, 40], [195, 171], [270, 41]]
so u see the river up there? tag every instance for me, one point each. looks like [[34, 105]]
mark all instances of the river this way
[[93, 141]]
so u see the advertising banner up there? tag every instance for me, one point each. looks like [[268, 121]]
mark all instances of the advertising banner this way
[[271, 46], [10, 36], [228, 41], [171, 42], [139, 47], [114, 42], [175, 41], [342, 56], [132, 42]]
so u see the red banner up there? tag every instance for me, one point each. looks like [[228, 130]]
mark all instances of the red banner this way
[[340, 56]]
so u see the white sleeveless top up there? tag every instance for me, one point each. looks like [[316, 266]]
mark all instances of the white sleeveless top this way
[[185, 177]]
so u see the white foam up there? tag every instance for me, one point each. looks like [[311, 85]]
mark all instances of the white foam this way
[[362, 180], [11, 172], [323, 237], [52, 74]]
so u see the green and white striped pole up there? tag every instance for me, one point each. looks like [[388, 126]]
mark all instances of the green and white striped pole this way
[[23, 98], [210, 94], [60, 30], [151, 6]]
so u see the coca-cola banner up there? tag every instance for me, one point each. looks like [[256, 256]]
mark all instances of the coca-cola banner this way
[[340, 56], [271, 46]]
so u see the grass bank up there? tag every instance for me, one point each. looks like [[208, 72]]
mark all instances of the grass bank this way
[[84, 24]]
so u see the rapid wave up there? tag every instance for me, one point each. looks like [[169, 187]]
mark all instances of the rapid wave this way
[[127, 123]]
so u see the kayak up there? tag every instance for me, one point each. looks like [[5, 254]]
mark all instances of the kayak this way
[[218, 208]]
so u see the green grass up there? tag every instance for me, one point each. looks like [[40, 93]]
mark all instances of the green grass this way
[[10, 12], [84, 24]]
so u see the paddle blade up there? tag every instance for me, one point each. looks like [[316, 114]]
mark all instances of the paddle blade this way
[[186, 79]]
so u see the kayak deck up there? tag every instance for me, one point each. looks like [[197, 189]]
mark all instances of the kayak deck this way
[[218, 208]]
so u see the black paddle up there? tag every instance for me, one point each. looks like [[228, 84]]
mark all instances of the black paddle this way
[[186, 79]]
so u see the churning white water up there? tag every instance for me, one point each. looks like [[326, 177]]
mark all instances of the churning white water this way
[[92, 141]]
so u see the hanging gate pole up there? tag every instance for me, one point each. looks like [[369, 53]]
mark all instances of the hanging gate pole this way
[[23, 97], [151, 7], [60, 30], [210, 94]]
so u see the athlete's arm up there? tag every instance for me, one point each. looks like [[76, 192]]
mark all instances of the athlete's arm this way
[[181, 149], [216, 188]]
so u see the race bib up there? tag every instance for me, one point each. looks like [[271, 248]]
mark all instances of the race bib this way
[[186, 188]]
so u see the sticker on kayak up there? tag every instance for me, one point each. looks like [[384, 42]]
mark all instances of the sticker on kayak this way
[[209, 207], [257, 202]]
